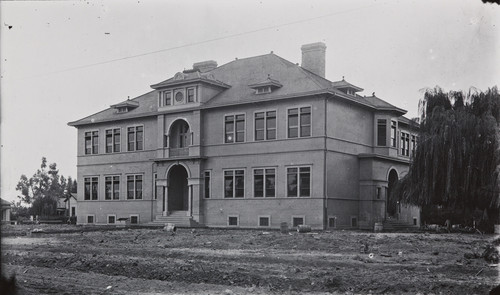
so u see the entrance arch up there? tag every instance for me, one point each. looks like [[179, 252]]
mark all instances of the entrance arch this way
[[392, 200], [178, 188]]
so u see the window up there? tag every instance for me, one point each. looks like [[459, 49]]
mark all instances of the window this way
[[155, 187], [264, 221], [134, 187], [264, 182], [405, 144], [234, 183], [379, 192], [165, 98], [331, 222], [265, 125], [415, 221], [393, 133], [90, 219], [190, 94], [206, 178], [262, 90], [232, 220], [73, 211], [354, 221], [381, 132], [111, 219], [91, 188], [234, 128], [134, 219], [135, 138], [413, 144], [113, 140], [112, 188], [179, 96], [297, 220], [299, 181], [299, 122], [91, 142]]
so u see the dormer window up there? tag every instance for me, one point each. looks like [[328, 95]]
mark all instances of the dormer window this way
[[262, 90], [266, 86], [125, 107]]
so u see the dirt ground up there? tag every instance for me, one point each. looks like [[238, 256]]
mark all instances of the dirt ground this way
[[77, 260]]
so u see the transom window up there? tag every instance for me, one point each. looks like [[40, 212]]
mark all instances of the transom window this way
[[91, 142], [264, 181], [91, 188], [265, 125], [134, 187], [299, 122], [234, 183], [113, 140], [234, 128], [135, 138], [112, 188], [299, 181]]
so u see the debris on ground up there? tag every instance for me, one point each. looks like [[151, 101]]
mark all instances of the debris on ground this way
[[491, 254]]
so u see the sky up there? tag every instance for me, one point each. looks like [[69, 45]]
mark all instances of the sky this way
[[64, 60]]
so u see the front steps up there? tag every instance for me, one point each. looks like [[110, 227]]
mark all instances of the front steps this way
[[178, 218]]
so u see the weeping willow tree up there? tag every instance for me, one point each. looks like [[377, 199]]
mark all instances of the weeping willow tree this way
[[456, 164]]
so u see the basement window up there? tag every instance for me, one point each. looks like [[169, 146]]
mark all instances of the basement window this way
[[111, 219], [415, 221], [354, 221], [233, 220], [134, 219], [264, 221], [90, 218], [297, 220]]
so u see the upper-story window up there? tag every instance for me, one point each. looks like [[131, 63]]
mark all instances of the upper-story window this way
[[91, 142], [179, 97], [265, 125], [135, 138], [113, 140], [381, 132], [299, 122], [264, 182], [165, 98], [405, 144], [262, 90], [413, 147], [234, 128], [206, 180], [190, 95], [393, 133]]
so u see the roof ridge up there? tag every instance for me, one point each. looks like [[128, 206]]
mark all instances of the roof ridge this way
[[306, 72]]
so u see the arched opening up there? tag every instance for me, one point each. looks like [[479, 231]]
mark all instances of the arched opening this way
[[178, 189], [392, 200], [179, 138]]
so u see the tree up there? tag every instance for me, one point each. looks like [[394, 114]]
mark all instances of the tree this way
[[456, 164], [43, 189]]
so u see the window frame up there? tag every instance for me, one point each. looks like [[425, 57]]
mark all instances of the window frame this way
[[112, 187], [264, 182], [234, 132], [94, 220], [377, 138], [297, 216], [404, 149], [162, 98], [299, 121], [265, 129], [354, 217], [237, 216], [298, 181], [135, 141], [135, 186], [91, 190], [268, 220], [114, 142], [111, 215], [134, 215], [234, 183], [155, 187], [205, 195], [330, 217], [92, 142], [394, 128], [187, 94]]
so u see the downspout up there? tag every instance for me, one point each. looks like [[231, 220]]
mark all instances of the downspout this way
[[325, 181]]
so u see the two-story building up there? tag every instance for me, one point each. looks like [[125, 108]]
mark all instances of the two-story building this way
[[251, 143]]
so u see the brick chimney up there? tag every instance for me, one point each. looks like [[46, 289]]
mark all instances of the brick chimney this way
[[205, 66], [313, 58]]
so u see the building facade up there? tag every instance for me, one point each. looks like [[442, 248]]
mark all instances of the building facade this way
[[251, 143]]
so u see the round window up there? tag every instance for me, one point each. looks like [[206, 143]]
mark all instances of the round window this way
[[179, 96]]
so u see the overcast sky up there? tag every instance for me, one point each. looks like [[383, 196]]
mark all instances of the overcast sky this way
[[64, 60]]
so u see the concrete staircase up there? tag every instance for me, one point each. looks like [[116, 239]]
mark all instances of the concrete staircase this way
[[394, 225], [179, 218]]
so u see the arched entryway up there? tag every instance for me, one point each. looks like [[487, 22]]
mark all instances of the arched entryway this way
[[392, 200], [178, 189]]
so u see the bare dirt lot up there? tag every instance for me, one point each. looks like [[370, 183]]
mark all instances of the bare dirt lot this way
[[76, 260]]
